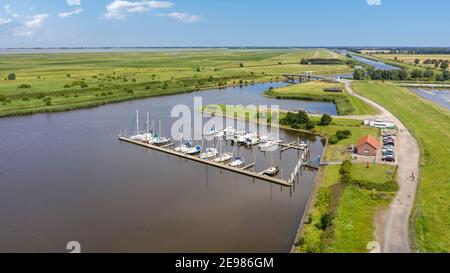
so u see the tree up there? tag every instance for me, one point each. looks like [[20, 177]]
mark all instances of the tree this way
[[444, 65], [428, 73], [11, 76], [241, 65], [416, 73], [304, 61], [446, 75], [402, 75], [417, 61], [325, 120], [359, 74]]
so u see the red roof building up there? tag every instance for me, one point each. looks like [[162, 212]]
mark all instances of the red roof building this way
[[368, 146]]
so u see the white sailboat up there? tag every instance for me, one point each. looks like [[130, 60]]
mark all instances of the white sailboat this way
[[194, 150], [223, 157], [237, 162]]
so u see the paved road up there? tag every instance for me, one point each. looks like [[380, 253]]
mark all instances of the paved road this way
[[395, 224]]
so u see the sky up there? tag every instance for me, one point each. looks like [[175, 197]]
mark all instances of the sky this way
[[132, 23]]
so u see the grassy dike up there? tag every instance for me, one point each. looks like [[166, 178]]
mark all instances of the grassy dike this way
[[314, 91], [430, 124], [352, 207]]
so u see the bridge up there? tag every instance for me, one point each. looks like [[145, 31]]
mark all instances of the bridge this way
[[292, 78]]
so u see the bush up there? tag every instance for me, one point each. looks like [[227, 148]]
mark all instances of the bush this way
[[325, 120], [24, 85], [310, 125], [129, 90], [11, 76], [390, 186], [346, 172], [2, 98], [343, 134], [26, 99], [333, 140], [326, 220], [295, 126]]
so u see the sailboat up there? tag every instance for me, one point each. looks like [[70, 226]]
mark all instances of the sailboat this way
[[185, 147], [269, 144], [223, 157], [238, 161], [159, 140]]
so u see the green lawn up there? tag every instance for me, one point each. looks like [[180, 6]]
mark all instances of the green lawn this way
[[430, 124], [346, 104], [354, 211], [56, 79]]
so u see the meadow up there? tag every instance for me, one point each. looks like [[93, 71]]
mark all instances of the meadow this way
[[430, 124], [58, 82]]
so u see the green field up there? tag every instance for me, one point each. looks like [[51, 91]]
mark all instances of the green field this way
[[430, 124], [69, 81], [346, 104], [353, 210]]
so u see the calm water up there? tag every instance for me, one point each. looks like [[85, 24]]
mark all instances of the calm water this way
[[376, 64], [65, 176], [440, 97]]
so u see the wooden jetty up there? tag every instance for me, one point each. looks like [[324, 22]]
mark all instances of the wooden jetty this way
[[210, 163]]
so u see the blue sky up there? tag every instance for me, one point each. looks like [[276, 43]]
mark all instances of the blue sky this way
[[70, 23]]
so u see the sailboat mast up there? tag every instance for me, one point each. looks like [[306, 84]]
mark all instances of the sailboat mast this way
[[137, 121], [148, 128]]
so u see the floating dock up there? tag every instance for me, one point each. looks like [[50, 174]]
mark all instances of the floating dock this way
[[242, 171]]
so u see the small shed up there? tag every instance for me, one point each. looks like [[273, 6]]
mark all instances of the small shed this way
[[368, 146]]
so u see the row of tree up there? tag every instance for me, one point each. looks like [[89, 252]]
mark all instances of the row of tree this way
[[399, 75]]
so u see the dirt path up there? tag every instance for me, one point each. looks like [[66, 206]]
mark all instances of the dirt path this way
[[394, 226]]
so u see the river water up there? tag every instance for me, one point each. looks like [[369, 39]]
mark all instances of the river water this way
[[65, 177], [437, 96]]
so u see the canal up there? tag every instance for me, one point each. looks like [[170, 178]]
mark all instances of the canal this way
[[66, 177]]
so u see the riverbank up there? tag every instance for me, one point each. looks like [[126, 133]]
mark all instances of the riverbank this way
[[36, 83], [315, 91]]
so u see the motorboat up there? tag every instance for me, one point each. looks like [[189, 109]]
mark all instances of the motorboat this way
[[211, 132], [223, 158], [271, 171], [194, 150], [237, 162], [251, 141], [184, 147], [160, 140], [209, 153], [269, 144]]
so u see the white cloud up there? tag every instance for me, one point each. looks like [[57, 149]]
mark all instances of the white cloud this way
[[119, 9], [73, 2], [374, 2], [30, 26], [70, 13], [5, 21], [183, 17]]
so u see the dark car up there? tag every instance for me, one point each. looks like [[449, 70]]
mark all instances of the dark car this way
[[388, 158], [389, 144]]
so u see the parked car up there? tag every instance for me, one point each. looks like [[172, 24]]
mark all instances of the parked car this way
[[389, 153], [389, 144], [388, 139], [386, 150], [388, 158], [388, 147]]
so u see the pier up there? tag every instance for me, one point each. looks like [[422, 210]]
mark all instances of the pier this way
[[244, 171]]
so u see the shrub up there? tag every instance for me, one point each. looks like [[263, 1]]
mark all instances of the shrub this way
[[326, 220], [11, 76], [333, 140], [84, 85], [24, 85], [325, 120], [241, 65], [345, 172], [295, 126], [343, 134], [129, 90], [2, 98], [310, 125], [66, 85]]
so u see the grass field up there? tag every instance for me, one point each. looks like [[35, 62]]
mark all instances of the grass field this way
[[410, 58], [430, 124], [346, 104], [353, 210], [69, 81]]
